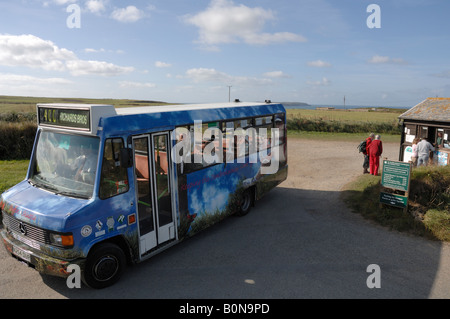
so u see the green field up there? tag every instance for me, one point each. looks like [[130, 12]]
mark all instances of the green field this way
[[350, 116], [341, 137], [24, 104]]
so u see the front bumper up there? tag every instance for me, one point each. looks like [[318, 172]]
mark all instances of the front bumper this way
[[34, 258]]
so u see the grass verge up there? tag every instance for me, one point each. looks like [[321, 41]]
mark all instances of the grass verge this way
[[11, 173], [428, 212]]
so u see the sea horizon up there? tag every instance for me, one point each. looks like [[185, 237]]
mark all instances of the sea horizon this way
[[340, 107]]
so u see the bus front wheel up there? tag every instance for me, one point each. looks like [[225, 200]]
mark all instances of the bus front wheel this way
[[104, 266]]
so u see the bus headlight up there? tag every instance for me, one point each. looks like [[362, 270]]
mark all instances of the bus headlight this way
[[61, 240]]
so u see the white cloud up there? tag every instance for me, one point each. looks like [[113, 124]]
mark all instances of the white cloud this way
[[276, 74], [160, 64], [225, 22], [377, 59], [34, 52], [129, 84], [84, 67], [64, 2], [95, 6], [16, 84], [206, 75], [90, 50], [323, 82], [15, 79], [199, 75], [102, 50], [47, 3], [31, 51], [319, 64], [128, 14]]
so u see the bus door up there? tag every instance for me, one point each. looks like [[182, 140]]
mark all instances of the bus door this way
[[153, 180]]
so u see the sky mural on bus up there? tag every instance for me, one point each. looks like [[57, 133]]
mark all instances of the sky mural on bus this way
[[217, 182]]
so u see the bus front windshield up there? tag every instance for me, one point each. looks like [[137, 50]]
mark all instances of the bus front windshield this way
[[65, 164]]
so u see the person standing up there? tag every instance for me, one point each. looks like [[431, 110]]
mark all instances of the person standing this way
[[439, 140], [366, 163], [414, 152], [375, 151], [423, 151]]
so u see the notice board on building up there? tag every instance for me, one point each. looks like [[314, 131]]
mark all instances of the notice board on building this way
[[395, 180]]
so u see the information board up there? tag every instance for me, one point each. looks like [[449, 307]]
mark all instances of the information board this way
[[393, 200], [65, 117], [396, 175]]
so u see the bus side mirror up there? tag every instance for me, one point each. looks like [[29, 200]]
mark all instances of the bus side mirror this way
[[126, 157]]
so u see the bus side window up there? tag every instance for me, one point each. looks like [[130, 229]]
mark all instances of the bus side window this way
[[245, 134], [279, 124], [114, 178], [264, 129]]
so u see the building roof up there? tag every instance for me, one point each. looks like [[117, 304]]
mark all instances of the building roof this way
[[432, 109]]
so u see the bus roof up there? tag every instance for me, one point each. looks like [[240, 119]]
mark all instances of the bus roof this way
[[88, 118], [183, 107]]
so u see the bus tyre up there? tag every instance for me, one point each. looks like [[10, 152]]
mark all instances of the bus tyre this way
[[104, 266], [246, 202]]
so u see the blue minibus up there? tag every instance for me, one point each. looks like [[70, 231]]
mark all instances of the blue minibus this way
[[111, 186]]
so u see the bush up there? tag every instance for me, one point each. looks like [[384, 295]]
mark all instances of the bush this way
[[15, 117], [428, 204], [319, 125], [429, 190], [16, 140]]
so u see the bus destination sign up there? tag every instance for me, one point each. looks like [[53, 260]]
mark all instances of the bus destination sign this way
[[62, 117]]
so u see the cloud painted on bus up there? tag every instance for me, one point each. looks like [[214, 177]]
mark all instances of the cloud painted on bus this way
[[221, 182]]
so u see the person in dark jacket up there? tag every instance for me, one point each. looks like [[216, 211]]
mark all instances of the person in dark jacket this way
[[366, 163], [375, 151]]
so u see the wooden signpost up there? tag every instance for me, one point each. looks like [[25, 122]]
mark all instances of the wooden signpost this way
[[395, 181]]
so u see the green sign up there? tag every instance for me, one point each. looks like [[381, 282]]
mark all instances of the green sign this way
[[396, 175], [64, 117], [393, 200]]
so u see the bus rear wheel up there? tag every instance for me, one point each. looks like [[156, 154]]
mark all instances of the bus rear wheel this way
[[104, 266], [246, 202]]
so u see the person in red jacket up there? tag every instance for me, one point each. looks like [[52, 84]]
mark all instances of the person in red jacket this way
[[366, 163], [375, 151]]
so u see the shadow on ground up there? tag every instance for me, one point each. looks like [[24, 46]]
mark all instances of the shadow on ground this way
[[294, 244]]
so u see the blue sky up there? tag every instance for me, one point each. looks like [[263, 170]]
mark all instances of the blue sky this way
[[313, 51]]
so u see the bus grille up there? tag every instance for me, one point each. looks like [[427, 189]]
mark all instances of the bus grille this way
[[25, 231]]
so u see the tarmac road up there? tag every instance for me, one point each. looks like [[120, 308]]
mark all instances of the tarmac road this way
[[299, 241]]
